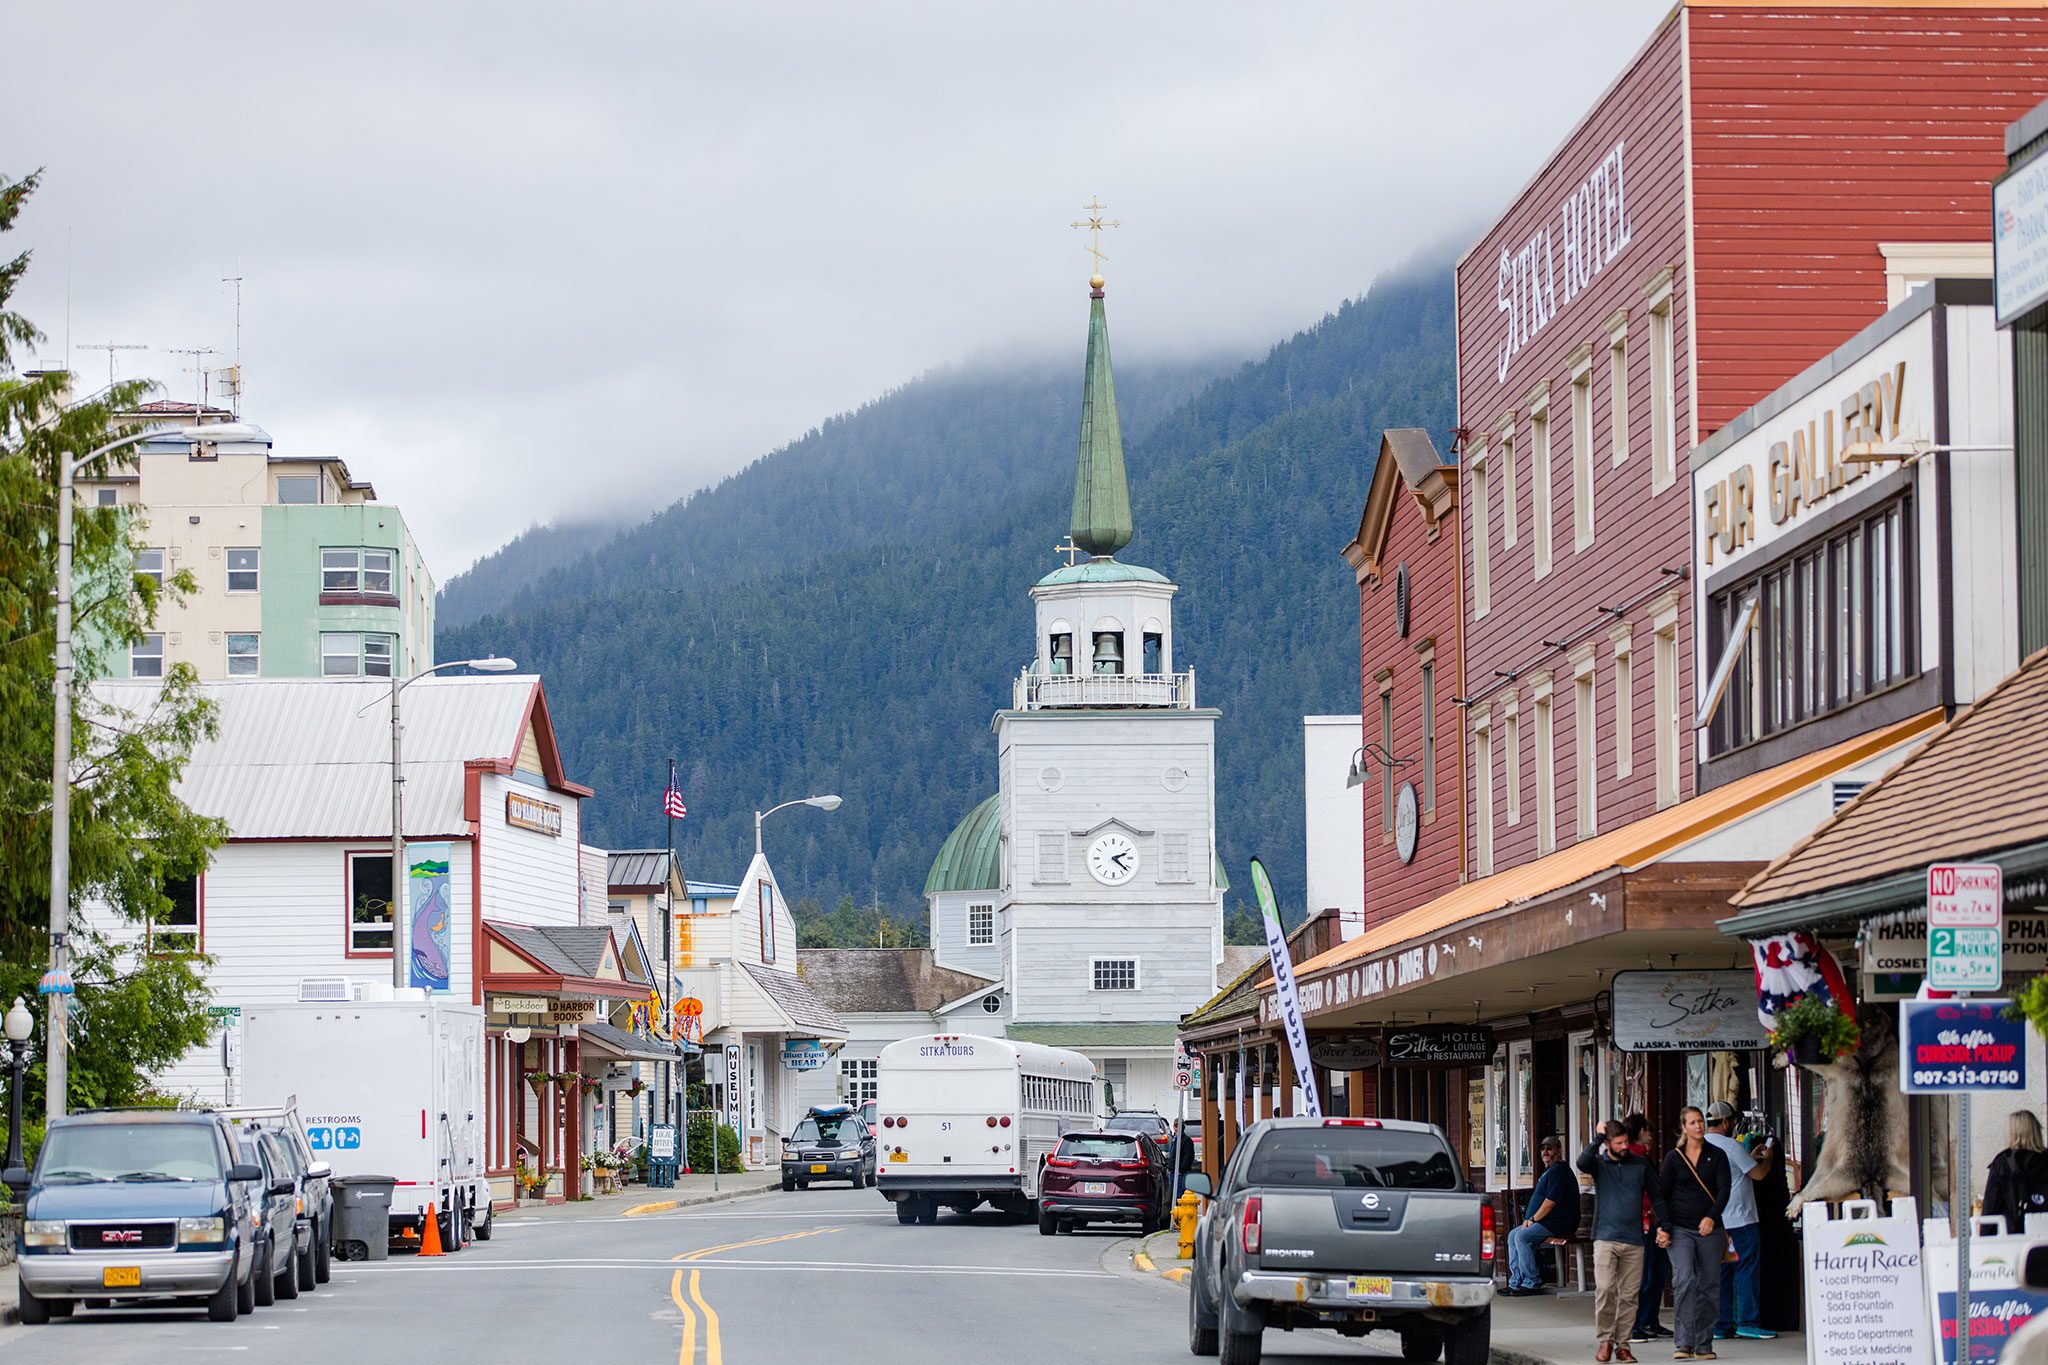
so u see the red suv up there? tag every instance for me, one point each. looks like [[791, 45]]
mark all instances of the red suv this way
[[1108, 1177]]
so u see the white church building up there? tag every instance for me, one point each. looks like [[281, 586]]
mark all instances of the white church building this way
[[1089, 886]]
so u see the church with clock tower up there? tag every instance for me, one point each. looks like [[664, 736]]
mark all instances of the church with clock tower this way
[[1089, 886]]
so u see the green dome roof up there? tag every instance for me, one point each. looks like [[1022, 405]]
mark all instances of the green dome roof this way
[[971, 858], [1104, 570]]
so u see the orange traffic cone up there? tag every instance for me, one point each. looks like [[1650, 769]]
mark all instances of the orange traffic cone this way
[[430, 1242]]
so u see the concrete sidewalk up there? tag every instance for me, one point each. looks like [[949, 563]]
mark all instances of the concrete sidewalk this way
[[1549, 1329], [637, 1200]]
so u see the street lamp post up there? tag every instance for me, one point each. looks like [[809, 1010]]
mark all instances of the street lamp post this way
[[19, 1024], [821, 802], [56, 983], [401, 918]]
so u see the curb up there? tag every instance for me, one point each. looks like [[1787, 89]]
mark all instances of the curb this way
[[662, 1205]]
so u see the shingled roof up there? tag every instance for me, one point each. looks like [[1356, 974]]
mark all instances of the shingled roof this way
[[795, 999], [564, 949], [883, 980]]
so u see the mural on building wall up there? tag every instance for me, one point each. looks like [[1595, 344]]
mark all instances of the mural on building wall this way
[[427, 895]]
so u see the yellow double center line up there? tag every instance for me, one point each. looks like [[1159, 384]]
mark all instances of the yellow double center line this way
[[713, 1352]]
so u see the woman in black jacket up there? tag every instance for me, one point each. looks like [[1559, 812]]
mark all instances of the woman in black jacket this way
[[1694, 1180], [2018, 1181]]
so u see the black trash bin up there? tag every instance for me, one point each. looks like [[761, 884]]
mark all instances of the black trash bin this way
[[362, 1216]]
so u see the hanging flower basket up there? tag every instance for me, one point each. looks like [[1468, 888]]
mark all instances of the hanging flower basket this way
[[591, 1087], [539, 1081]]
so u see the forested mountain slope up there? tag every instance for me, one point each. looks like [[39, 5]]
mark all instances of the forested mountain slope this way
[[873, 670]]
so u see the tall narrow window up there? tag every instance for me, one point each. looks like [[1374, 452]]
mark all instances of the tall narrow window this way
[[1663, 464], [377, 651], [1624, 706], [1155, 652], [1617, 388], [1510, 531], [180, 929], [1429, 736], [1061, 654], [1539, 487], [1546, 779], [369, 903], [1386, 759], [1664, 700], [1174, 863], [1480, 534], [1512, 737], [1583, 755], [146, 658], [1582, 460], [1052, 857], [767, 921], [981, 924], [1482, 782]]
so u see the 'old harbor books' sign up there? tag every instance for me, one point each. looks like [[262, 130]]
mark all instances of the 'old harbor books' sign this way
[[1687, 1012], [1439, 1047]]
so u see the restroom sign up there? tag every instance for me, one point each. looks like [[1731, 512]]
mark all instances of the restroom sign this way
[[1965, 927]]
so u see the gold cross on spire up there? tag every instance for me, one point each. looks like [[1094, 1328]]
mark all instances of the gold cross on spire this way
[[1068, 548], [1094, 223]]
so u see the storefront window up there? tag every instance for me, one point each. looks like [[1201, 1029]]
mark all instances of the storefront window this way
[[1831, 628], [1518, 1121]]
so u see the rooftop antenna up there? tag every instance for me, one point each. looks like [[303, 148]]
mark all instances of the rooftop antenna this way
[[233, 388], [109, 347], [197, 367]]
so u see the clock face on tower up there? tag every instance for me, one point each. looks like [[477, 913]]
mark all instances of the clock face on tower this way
[[1113, 859]]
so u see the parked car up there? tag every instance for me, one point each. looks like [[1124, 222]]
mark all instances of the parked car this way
[[1150, 1122], [868, 1111], [1354, 1224], [829, 1143], [277, 1221], [137, 1205], [1114, 1176], [314, 1177]]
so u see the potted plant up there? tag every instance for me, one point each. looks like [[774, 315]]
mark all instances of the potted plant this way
[[1814, 1032]]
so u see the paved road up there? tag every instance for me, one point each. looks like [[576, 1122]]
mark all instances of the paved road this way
[[803, 1277]]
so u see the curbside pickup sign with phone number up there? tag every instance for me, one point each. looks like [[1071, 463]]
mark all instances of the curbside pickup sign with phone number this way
[[1955, 1045]]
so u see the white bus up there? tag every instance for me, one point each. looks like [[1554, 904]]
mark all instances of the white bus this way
[[962, 1119]]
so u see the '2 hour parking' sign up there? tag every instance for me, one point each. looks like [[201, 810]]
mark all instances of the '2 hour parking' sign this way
[[1965, 927]]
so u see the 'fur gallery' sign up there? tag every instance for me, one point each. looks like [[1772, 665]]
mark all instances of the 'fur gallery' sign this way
[[1687, 1012]]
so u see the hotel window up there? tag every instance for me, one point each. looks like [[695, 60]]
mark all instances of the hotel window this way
[[1617, 386], [1513, 738], [1831, 627], [1624, 708], [1052, 857], [1546, 779], [1114, 973], [149, 563], [1664, 700], [1663, 414], [1583, 755], [1480, 535], [1429, 736], [981, 924], [298, 488], [348, 654], [1174, 863], [1539, 484], [767, 922], [179, 930], [245, 655], [859, 1075], [243, 570], [1582, 460], [1483, 783], [356, 571], [1386, 758], [146, 659], [1506, 441], [369, 903]]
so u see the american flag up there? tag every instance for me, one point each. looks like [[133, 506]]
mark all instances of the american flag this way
[[672, 802]]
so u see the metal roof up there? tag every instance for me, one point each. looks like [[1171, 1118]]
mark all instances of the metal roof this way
[[310, 758], [1104, 570], [971, 857], [634, 867]]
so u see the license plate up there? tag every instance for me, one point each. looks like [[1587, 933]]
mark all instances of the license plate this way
[[818, 1168], [121, 1277], [1371, 1287], [1095, 1187], [899, 1156]]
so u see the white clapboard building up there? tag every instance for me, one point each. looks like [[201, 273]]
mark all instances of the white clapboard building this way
[[1088, 887]]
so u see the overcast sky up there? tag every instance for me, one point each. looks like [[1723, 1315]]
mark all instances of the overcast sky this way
[[518, 262]]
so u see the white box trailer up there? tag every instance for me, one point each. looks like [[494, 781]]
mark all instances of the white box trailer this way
[[389, 1088], [964, 1119]]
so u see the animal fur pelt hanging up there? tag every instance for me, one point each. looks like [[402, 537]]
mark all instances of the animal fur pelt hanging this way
[[1867, 1151]]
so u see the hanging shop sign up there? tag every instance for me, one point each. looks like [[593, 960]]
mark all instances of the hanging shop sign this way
[[1439, 1047], [1344, 1054], [803, 1054], [1709, 1011], [529, 812], [1865, 1297], [1948, 1046], [2019, 239], [1999, 1304], [519, 1004], [732, 1086]]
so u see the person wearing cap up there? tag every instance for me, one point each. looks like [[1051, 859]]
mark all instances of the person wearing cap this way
[[1553, 1212], [1741, 1298]]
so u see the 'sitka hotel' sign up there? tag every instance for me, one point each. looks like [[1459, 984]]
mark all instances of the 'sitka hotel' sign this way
[[529, 812], [1542, 275]]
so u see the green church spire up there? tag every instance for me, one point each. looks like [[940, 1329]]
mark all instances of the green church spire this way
[[1101, 523]]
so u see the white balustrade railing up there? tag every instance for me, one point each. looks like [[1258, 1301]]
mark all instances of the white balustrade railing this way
[[1035, 691]]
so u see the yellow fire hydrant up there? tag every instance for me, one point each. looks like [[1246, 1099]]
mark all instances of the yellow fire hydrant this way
[[1185, 1212]]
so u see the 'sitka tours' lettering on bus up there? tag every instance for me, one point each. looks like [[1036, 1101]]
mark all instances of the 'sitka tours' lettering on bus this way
[[1593, 229]]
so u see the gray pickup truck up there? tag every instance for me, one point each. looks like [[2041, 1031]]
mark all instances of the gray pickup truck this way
[[1352, 1224]]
